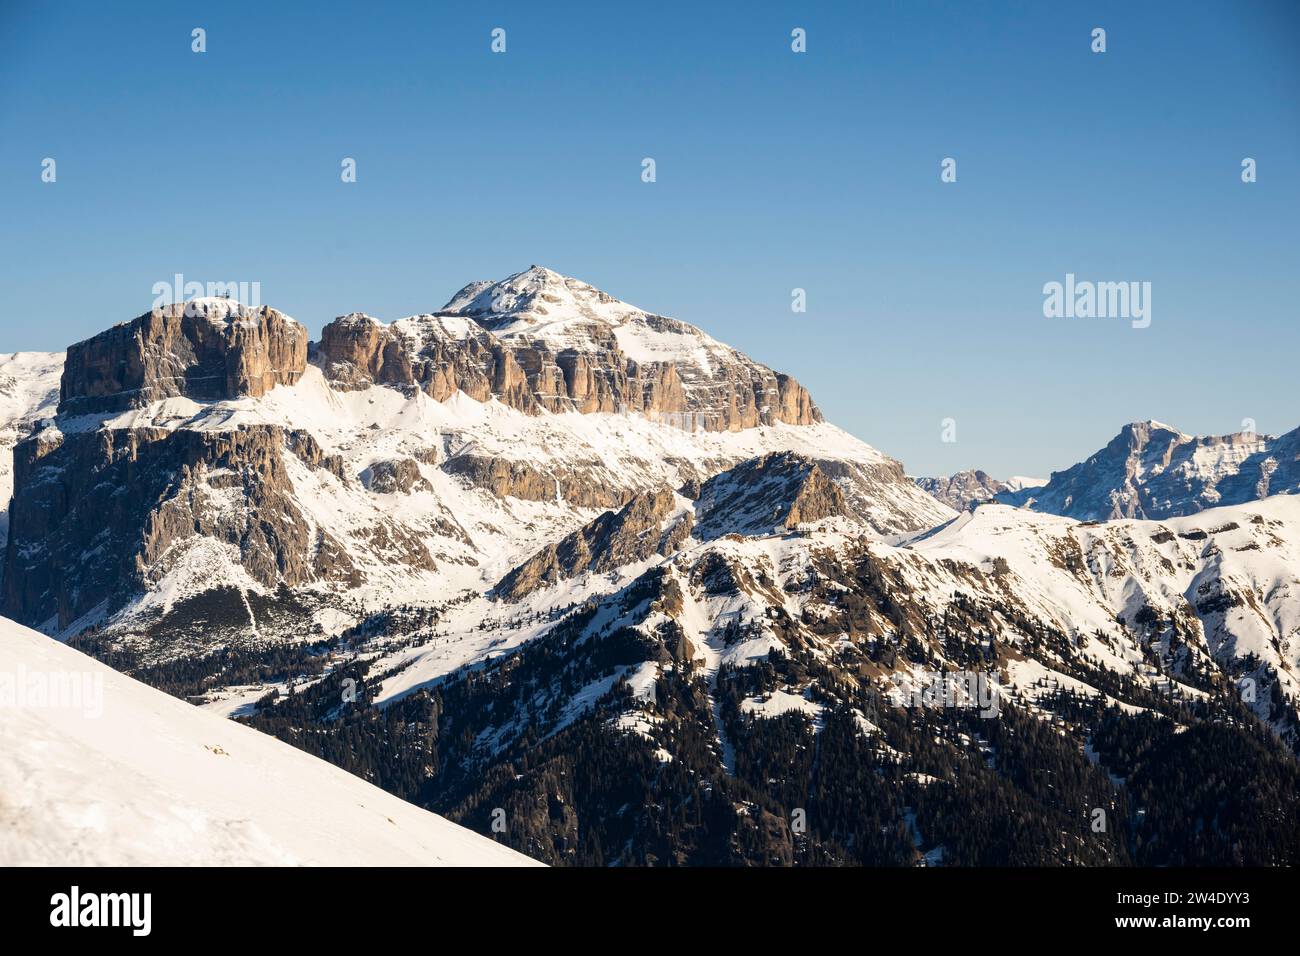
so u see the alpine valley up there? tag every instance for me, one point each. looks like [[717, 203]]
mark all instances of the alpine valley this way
[[545, 559]]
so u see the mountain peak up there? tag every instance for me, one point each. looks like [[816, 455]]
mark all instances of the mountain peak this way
[[536, 296], [1150, 426]]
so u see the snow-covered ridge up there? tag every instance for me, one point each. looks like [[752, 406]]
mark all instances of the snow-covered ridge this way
[[539, 340], [1153, 470], [542, 304], [124, 775]]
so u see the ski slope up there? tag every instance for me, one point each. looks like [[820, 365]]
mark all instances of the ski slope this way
[[120, 774]]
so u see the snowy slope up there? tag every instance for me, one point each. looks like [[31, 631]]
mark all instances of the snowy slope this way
[[1226, 580], [563, 311], [1157, 602], [134, 777]]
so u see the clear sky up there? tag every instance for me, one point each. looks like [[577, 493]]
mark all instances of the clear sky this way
[[775, 170]]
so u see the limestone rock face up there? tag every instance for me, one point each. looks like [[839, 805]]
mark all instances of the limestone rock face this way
[[964, 489], [541, 341], [573, 484], [99, 516], [206, 349], [781, 490], [637, 531], [395, 476]]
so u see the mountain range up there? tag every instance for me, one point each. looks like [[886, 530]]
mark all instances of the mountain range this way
[[1148, 470], [542, 556]]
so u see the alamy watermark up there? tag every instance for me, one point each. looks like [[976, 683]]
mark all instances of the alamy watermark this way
[[1098, 300], [57, 689], [133, 911], [975, 690], [178, 290]]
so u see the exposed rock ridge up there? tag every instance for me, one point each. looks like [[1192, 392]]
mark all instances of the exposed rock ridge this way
[[963, 489], [100, 515], [777, 491], [642, 528], [539, 341], [1150, 470], [207, 350]]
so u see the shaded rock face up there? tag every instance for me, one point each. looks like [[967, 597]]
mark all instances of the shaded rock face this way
[[964, 489], [576, 485], [1150, 470], [639, 530], [215, 349], [29, 392], [778, 491], [98, 516], [395, 476], [561, 346]]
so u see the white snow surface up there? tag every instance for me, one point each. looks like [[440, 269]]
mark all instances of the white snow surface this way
[[142, 779], [539, 303]]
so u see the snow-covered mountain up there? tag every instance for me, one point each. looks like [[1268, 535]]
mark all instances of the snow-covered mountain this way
[[765, 666], [97, 769], [538, 340], [588, 565], [201, 468], [1168, 605], [1152, 470]]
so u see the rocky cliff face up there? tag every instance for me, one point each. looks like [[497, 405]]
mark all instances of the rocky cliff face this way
[[776, 492], [648, 525], [206, 349], [1150, 470], [541, 341], [99, 516], [964, 489], [29, 392]]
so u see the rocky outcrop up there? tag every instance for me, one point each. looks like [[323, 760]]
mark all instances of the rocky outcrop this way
[[395, 476], [641, 529], [101, 515], [426, 352], [778, 491], [29, 392], [964, 489], [1150, 470], [591, 354], [580, 487], [207, 350]]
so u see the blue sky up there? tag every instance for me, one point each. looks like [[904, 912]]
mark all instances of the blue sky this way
[[775, 171]]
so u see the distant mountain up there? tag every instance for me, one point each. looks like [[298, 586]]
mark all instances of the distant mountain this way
[[123, 775], [1151, 470], [1021, 482], [963, 489]]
